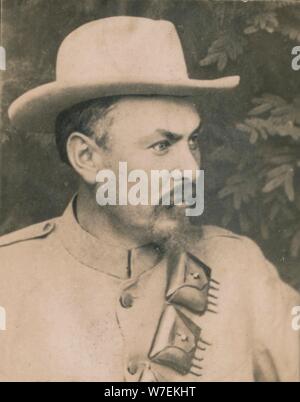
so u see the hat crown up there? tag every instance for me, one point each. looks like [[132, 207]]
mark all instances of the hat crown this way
[[122, 48]]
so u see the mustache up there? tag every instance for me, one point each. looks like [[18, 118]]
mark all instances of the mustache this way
[[185, 192]]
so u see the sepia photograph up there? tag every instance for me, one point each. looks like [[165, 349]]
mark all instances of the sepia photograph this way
[[150, 193]]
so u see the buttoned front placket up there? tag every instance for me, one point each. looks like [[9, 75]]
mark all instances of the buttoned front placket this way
[[140, 304]]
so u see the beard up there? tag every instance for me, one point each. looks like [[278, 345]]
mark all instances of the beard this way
[[171, 225], [172, 228], [160, 224], [166, 226]]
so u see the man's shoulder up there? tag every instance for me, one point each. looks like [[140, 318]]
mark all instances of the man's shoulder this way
[[25, 256], [211, 231], [29, 237], [225, 249], [217, 236]]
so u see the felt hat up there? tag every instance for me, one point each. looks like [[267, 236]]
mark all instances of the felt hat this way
[[110, 57]]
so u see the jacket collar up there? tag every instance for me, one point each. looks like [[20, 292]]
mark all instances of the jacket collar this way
[[102, 255]]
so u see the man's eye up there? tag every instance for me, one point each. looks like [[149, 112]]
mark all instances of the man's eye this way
[[161, 146], [193, 141]]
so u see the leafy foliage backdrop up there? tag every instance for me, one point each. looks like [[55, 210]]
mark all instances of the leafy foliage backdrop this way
[[251, 143]]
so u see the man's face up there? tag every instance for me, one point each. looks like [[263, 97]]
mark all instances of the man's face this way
[[152, 133]]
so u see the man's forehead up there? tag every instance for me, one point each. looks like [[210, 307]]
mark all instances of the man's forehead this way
[[157, 112]]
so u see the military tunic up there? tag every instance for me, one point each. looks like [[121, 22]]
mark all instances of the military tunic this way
[[85, 309]]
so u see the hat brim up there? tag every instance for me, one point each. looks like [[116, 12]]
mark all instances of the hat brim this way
[[38, 108]]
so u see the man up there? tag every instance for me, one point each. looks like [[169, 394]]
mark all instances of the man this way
[[134, 293]]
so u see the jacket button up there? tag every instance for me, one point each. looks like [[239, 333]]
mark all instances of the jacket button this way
[[47, 227], [132, 368], [126, 300]]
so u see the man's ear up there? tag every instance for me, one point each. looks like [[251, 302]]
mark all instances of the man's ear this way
[[83, 156]]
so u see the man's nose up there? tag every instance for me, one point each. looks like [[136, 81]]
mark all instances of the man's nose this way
[[187, 160]]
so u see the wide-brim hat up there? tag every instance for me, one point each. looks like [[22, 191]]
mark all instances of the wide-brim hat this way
[[112, 57]]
